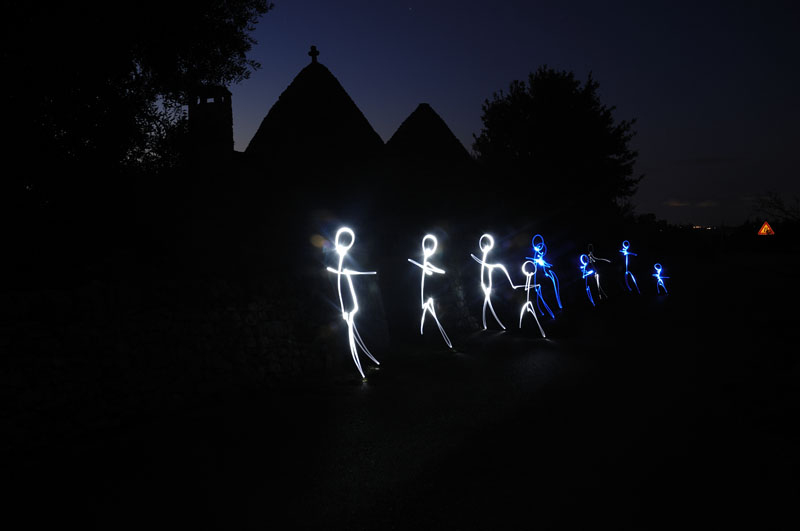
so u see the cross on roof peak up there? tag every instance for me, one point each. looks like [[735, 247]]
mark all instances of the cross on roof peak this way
[[313, 53]]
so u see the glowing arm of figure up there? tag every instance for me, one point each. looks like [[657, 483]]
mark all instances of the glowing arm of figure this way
[[350, 272], [508, 276], [481, 262], [434, 269], [428, 268]]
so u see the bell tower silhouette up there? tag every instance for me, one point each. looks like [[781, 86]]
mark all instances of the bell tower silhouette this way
[[211, 121]]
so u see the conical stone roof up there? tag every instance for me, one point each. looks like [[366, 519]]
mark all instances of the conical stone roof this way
[[424, 136], [314, 123]]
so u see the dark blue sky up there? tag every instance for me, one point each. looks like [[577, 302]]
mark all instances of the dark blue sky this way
[[713, 85]]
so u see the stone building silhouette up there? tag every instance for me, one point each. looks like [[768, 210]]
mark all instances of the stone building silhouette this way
[[315, 129], [211, 122]]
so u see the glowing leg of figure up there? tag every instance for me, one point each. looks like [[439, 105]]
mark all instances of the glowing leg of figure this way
[[600, 292], [554, 278], [483, 314], [661, 285], [540, 298], [589, 292], [495, 316], [361, 344], [352, 339], [529, 307], [627, 273], [430, 308]]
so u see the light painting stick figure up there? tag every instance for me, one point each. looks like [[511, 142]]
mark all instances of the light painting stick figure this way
[[528, 304], [428, 269], [486, 243], [349, 315], [625, 252], [539, 250], [659, 279], [586, 272], [592, 260]]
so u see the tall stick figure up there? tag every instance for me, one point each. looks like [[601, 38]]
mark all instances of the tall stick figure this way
[[429, 269], [539, 250], [659, 279], [625, 252], [486, 243], [529, 270], [349, 311], [592, 260]]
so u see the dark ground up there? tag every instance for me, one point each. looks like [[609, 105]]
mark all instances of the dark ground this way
[[646, 412]]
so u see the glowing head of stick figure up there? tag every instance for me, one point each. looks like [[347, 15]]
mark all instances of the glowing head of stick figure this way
[[341, 249], [528, 268], [430, 248], [486, 243], [625, 245], [584, 265], [657, 267], [537, 242]]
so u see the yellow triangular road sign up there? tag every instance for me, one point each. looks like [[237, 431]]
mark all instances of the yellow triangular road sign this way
[[766, 230]]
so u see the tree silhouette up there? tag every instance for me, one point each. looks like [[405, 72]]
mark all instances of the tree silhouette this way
[[557, 146], [773, 206], [92, 93]]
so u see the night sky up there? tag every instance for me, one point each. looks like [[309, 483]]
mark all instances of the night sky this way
[[713, 87]]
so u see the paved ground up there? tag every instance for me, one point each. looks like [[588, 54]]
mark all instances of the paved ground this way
[[643, 413]]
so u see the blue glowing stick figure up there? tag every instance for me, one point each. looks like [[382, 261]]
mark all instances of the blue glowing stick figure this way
[[528, 285], [592, 259], [625, 252], [659, 279], [586, 272], [486, 243], [539, 250]]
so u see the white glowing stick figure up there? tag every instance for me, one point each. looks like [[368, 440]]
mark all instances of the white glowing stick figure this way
[[349, 314], [428, 269], [592, 259], [528, 285], [486, 243]]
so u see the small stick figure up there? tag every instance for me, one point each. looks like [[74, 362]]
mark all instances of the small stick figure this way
[[529, 270], [659, 279], [429, 269], [586, 272], [539, 250], [625, 252], [349, 312], [592, 260], [486, 243]]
